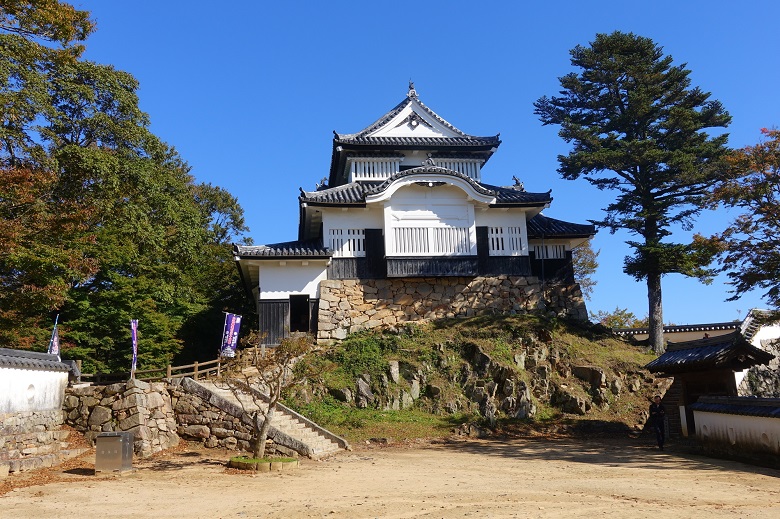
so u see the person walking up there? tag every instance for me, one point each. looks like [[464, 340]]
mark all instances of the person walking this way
[[657, 415]]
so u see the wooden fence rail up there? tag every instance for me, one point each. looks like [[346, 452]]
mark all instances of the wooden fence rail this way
[[195, 370]]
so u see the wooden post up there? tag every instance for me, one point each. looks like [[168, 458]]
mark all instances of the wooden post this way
[[168, 371], [78, 364], [219, 366], [195, 371]]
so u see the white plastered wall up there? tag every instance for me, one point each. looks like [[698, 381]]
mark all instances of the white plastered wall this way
[[370, 217], [280, 279], [751, 433], [23, 390], [487, 217], [418, 206]]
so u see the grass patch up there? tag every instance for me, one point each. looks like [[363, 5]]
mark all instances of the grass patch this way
[[362, 424]]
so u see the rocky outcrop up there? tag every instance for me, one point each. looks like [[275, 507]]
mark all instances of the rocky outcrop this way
[[348, 306], [763, 381], [513, 380]]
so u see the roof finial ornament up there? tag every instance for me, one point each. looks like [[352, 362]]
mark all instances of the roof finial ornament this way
[[412, 92], [519, 186]]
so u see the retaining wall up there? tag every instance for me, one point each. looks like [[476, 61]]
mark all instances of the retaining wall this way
[[347, 306]]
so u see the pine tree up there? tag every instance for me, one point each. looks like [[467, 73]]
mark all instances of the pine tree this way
[[637, 128]]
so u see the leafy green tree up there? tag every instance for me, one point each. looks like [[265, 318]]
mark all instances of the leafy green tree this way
[[103, 221], [751, 244], [42, 239], [586, 263], [637, 127], [618, 318]]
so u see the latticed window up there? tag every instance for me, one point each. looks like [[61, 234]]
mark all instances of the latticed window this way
[[505, 241], [349, 243], [425, 241], [550, 251]]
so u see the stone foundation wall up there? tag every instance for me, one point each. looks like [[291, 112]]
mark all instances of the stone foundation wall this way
[[347, 306], [30, 439], [139, 407]]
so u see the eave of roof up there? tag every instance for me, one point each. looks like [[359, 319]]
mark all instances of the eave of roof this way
[[33, 360], [729, 351], [354, 194], [290, 249], [706, 327], [421, 142], [541, 226], [745, 406]]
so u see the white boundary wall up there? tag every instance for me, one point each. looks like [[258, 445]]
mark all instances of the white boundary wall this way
[[23, 390], [748, 433]]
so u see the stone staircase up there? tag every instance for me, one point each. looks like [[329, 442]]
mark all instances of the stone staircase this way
[[288, 428]]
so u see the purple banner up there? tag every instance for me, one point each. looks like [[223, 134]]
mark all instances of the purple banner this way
[[230, 335], [134, 334]]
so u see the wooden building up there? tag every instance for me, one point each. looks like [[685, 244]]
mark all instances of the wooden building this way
[[405, 229], [703, 367]]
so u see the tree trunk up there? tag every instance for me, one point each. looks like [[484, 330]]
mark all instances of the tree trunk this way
[[261, 433], [655, 314]]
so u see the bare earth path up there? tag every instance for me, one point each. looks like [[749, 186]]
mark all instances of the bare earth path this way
[[517, 478]]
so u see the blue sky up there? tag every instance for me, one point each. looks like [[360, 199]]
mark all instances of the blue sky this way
[[249, 92]]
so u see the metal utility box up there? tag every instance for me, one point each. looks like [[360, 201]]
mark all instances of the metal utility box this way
[[114, 452]]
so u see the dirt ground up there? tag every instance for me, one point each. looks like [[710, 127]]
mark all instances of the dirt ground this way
[[475, 478]]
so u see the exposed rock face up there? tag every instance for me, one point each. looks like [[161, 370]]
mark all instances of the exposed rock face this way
[[590, 374], [763, 381], [145, 409], [464, 377], [348, 306]]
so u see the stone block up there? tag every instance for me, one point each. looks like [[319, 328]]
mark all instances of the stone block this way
[[195, 431], [132, 421], [154, 400], [405, 299], [99, 415]]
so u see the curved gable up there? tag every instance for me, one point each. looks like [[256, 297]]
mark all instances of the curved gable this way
[[431, 177]]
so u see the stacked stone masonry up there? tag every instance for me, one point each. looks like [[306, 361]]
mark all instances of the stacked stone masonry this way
[[348, 306], [30, 440], [199, 419], [141, 408]]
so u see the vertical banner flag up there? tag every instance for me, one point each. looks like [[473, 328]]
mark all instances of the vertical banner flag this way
[[54, 343], [230, 335], [134, 334]]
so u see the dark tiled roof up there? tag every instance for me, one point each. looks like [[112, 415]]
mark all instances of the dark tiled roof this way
[[707, 327], [355, 193], [312, 249], [746, 406], [22, 359], [541, 226], [429, 170], [347, 194], [729, 351], [420, 141]]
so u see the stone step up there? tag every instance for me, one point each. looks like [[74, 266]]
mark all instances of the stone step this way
[[283, 421]]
